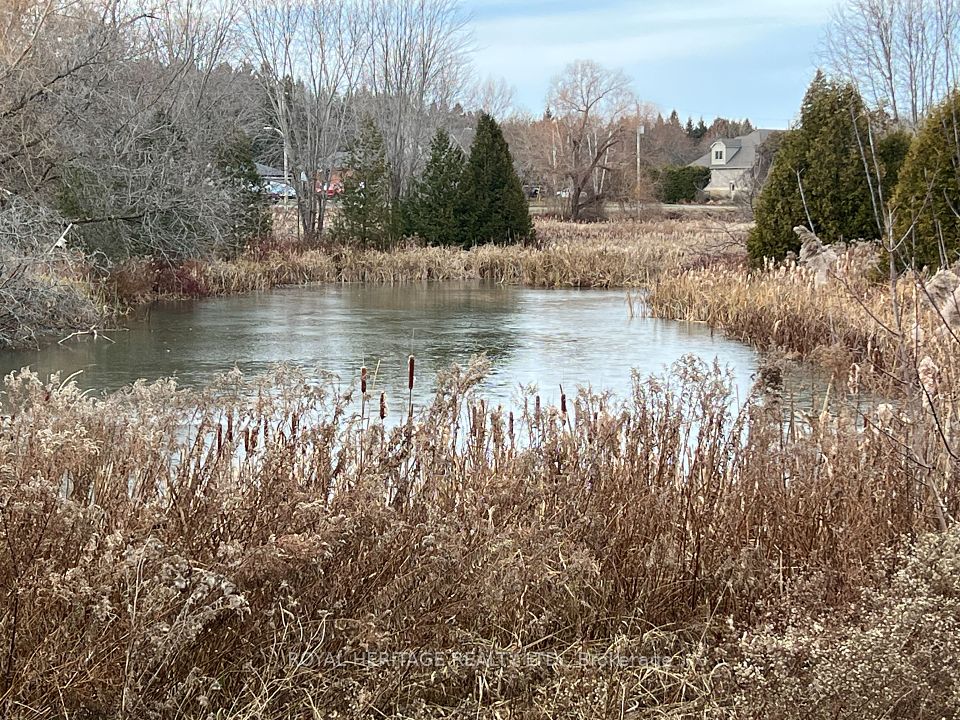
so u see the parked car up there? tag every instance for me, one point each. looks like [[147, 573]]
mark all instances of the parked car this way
[[277, 191]]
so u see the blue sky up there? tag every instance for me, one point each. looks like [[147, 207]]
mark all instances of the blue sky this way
[[741, 58]]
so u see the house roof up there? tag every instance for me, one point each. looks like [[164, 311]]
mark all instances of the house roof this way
[[745, 155], [265, 171]]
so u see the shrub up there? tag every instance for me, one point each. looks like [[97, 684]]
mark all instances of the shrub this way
[[682, 183], [896, 654]]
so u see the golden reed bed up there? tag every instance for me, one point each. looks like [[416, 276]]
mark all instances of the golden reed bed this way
[[619, 254]]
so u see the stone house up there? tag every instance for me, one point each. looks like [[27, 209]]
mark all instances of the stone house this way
[[731, 162]]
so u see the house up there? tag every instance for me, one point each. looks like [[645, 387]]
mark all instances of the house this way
[[731, 162]]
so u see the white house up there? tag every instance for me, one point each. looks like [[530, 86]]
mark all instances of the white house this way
[[731, 161]]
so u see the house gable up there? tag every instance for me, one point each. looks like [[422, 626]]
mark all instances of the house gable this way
[[729, 160]]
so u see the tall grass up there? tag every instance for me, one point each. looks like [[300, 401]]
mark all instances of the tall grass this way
[[283, 553], [850, 325], [625, 253]]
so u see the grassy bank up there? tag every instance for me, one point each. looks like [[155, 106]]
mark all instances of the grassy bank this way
[[868, 332], [624, 253], [290, 557]]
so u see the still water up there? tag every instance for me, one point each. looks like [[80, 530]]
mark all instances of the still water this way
[[544, 337]]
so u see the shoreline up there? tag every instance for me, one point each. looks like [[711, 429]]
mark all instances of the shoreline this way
[[627, 254]]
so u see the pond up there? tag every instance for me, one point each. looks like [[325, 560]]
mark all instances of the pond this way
[[544, 337]]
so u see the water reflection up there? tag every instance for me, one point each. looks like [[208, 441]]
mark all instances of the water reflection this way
[[545, 337]]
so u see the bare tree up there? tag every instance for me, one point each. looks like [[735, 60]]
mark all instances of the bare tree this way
[[494, 96], [903, 54], [416, 71], [311, 55], [591, 106]]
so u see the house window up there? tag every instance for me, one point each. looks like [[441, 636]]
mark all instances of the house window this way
[[718, 154]]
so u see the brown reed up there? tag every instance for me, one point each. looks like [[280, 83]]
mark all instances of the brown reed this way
[[279, 554]]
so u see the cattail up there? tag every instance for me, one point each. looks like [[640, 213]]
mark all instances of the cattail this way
[[510, 426], [563, 402], [383, 406], [363, 380], [410, 364], [536, 408]]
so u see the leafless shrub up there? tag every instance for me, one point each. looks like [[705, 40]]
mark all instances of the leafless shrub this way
[[894, 654], [43, 289]]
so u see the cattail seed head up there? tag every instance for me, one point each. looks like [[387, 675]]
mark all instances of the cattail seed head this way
[[363, 380], [383, 405], [563, 401], [410, 366]]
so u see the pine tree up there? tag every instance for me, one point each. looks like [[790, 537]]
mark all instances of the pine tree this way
[[494, 207], [433, 209], [823, 157], [365, 216], [927, 200], [701, 130]]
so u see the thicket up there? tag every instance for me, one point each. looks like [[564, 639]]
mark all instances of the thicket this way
[[289, 549]]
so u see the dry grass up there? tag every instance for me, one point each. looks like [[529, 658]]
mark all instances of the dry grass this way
[[282, 556], [624, 253], [849, 325]]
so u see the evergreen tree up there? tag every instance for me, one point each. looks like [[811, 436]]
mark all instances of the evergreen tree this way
[[494, 206], [701, 130], [433, 209], [823, 157], [365, 216], [690, 129], [927, 200]]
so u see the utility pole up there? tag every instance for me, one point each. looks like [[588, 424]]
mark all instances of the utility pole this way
[[640, 131]]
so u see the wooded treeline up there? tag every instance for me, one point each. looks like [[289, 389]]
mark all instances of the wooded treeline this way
[[136, 124]]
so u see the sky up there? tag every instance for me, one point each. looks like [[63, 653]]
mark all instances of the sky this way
[[734, 59]]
